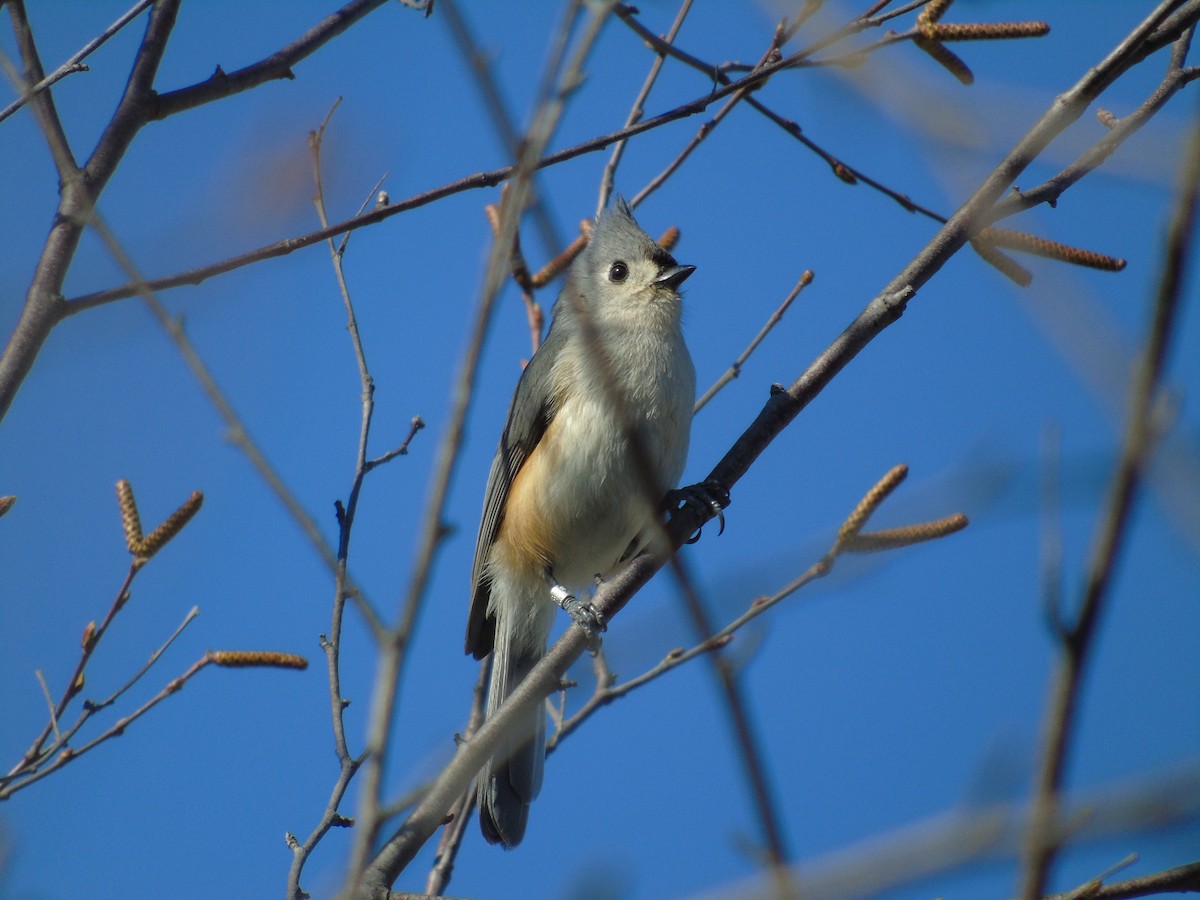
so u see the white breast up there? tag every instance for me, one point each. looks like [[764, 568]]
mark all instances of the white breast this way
[[635, 417]]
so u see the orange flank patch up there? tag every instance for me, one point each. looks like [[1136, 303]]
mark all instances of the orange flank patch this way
[[526, 534]]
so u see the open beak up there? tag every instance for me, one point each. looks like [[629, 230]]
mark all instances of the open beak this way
[[674, 276]]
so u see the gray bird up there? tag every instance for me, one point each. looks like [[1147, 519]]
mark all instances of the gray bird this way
[[597, 434]]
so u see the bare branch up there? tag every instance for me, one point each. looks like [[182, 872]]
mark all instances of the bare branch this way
[[278, 65]]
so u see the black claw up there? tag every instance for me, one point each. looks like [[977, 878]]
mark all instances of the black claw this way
[[707, 497]]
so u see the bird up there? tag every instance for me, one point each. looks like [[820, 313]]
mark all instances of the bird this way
[[596, 437]]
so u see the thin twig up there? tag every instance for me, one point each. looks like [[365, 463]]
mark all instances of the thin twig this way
[[772, 54], [94, 707], [348, 765], [36, 752], [639, 108], [118, 728], [718, 74], [59, 753], [1119, 131], [471, 182], [736, 368]]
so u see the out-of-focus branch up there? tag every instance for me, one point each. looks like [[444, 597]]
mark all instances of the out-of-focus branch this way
[[763, 798], [1077, 640], [959, 838], [497, 109], [376, 878]]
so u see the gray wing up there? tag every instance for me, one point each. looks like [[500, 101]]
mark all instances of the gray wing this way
[[533, 406]]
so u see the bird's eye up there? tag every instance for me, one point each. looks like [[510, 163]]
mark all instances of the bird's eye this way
[[618, 272]]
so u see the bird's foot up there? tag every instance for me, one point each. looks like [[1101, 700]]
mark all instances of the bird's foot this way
[[709, 498], [582, 613]]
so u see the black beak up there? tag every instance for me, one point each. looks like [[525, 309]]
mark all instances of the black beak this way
[[674, 276]]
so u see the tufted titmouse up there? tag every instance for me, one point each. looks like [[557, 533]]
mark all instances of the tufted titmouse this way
[[597, 434]]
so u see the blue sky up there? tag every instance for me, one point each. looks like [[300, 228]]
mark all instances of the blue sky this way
[[903, 686]]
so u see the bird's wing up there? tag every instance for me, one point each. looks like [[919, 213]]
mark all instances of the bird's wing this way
[[532, 408]]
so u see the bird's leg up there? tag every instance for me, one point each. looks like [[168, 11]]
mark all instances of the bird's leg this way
[[708, 497], [583, 614]]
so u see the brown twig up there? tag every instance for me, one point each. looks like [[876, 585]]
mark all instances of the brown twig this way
[[40, 760], [735, 369], [93, 635], [1077, 641], [331, 644], [772, 54], [232, 658]]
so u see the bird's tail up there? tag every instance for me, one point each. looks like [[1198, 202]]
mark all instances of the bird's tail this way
[[513, 776]]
